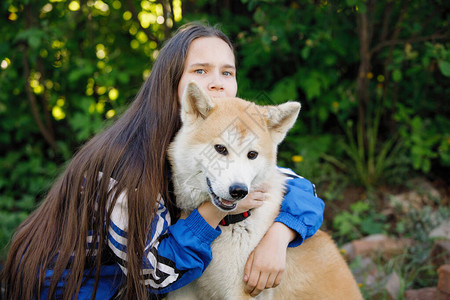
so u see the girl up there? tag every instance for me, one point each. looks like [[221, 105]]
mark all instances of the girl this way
[[108, 227]]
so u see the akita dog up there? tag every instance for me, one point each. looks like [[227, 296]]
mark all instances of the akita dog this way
[[226, 148]]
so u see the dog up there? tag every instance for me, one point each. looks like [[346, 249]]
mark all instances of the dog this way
[[225, 149]]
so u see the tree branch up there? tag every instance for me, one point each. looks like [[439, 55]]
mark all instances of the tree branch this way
[[383, 44], [48, 122], [172, 15], [386, 20], [364, 66], [45, 133], [371, 20], [165, 14]]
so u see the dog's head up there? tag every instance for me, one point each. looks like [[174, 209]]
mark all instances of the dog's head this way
[[225, 148]]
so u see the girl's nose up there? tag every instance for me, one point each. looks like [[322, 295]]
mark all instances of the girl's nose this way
[[216, 84]]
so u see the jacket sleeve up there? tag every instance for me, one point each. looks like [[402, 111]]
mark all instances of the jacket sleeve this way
[[174, 255], [301, 209]]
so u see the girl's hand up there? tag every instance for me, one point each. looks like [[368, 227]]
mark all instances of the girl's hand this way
[[213, 215], [265, 265], [253, 200]]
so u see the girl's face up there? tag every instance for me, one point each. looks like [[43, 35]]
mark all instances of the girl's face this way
[[210, 62]]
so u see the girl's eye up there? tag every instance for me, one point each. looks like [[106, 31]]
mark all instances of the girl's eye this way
[[226, 73], [221, 149], [252, 155], [200, 71]]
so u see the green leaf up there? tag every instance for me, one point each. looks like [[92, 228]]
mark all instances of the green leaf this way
[[311, 87], [323, 113], [444, 66], [34, 42], [34, 37], [330, 60], [305, 52], [259, 16], [397, 75], [371, 226], [285, 89], [77, 73]]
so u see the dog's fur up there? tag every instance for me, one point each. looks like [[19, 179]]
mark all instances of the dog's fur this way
[[314, 270]]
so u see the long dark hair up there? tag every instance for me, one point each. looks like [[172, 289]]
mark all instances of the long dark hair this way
[[133, 152]]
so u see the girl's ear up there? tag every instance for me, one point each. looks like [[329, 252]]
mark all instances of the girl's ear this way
[[281, 118], [195, 103]]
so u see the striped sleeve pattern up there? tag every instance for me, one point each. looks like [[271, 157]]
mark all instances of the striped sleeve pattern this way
[[174, 254], [158, 271]]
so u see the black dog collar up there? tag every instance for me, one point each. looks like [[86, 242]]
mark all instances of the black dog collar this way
[[231, 219]]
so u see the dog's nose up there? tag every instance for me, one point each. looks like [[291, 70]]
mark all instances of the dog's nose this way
[[238, 191]]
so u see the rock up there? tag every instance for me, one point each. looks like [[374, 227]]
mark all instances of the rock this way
[[367, 272], [429, 293], [443, 296], [441, 232], [426, 189], [386, 288], [392, 286], [422, 193], [378, 244], [406, 201], [444, 279], [348, 250]]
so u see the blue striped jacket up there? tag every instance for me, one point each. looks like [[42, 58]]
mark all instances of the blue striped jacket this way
[[176, 254]]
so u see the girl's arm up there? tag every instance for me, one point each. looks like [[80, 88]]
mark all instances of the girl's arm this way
[[300, 216], [174, 254], [301, 209]]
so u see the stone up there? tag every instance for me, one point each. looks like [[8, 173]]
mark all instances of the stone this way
[[366, 272], [348, 251], [429, 293], [406, 201], [441, 232], [422, 193], [425, 188], [380, 244], [444, 279], [443, 296], [392, 286]]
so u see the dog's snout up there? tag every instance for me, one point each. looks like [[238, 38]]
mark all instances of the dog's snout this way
[[238, 191]]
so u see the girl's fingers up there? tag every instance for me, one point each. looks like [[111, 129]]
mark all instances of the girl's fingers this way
[[258, 196]]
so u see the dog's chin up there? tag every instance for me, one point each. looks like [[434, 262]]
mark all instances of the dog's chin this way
[[222, 204]]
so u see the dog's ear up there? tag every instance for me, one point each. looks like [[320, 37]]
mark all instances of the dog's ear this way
[[195, 103], [280, 118]]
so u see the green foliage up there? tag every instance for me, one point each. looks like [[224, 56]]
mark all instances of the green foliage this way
[[426, 139], [66, 70], [311, 149], [371, 162], [414, 266], [359, 221], [423, 121], [418, 225]]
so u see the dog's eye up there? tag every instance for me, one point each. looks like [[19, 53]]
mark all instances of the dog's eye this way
[[252, 155], [221, 149]]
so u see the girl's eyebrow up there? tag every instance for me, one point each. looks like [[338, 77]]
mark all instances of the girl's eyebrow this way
[[207, 65], [229, 67]]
